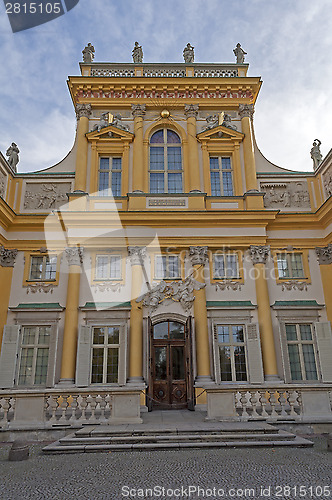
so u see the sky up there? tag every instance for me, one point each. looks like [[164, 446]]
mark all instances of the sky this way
[[288, 42]]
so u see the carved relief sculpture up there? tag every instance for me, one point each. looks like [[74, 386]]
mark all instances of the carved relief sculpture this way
[[315, 153], [188, 54], [42, 196], [259, 253], [13, 158], [288, 194], [137, 53], [327, 179], [7, 257], [118, 123], [220, 119], [103, 122], [88, 53], [239, 53], [2, 184]]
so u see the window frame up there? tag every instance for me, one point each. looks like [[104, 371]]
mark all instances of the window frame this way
[[109, 192], [239, 261], [44, 256], [166, 171], [167, 278], [221, 171], [35, 346], [305, 265], [232, 345], [105, 346], [109, 258], [299, 342]]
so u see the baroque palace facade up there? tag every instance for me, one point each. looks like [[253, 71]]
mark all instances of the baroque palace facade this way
[[165, 263]]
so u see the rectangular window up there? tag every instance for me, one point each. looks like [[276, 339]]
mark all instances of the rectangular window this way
[[43, 268], [301, 352], [225, 265], [221, 176], [34, 351], [232, 353], [290, 265], [108, 267], [166, 267], [110, 170], [105, 355]]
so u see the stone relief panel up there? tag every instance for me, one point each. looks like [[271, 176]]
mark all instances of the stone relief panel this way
[[286, 195], [45, 196], [327, 182], [3, 181]]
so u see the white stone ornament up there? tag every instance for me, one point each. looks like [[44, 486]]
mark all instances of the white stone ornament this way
[[137, 255], [74, 256], [324, 255], [259, 253], [7, 257], [83, 110], [198, 255]]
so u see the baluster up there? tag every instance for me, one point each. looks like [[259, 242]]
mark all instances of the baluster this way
[[292, 399], [273, 402], [73, 407], [63, 407], [109, 406], [83, 405], [245, 414], [52, 402], [263, 400], [102, 407], [237, 403], [92, 405], [283, 402], [5, 408], [254, 402]]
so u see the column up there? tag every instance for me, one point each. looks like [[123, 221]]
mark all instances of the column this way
[[191, 111], [324, 255], [246, 112], [74, 258], [259, 256], [83, 111], [138, 112], [199, 257], [7, 262], [137, 256]]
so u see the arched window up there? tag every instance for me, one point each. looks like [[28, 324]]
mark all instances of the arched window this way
[[165, 165]]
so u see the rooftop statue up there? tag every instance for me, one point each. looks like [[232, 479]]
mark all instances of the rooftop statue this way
[[315, 153], [188, 53], [13, 158], [88, 53], [239, 53], [137, 53]]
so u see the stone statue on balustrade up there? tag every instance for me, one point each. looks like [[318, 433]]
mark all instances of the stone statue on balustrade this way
[[315, 153], [13, 158], [188, 54], [137, 53], [88, 53], [239, 53]]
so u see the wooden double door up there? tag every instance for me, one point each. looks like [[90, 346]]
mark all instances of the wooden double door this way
[[171, 378]]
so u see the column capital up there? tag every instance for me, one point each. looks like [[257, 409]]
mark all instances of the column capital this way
[[259, 253], [138, 110], [198, 255], [246, 110], [324, 255], [7, 257], [74, 256], [137, 255], [191, 110], [83, 110]]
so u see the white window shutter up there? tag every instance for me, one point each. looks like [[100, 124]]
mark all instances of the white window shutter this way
[[50, 379], [255, 363], [324, 342], [83, 360], [8, 358], [216, 361], [123, 355]]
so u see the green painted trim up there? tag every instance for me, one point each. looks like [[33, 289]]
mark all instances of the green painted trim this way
[[105, 305], [301, 303], [42, 173], [229, 303], [42, 305]]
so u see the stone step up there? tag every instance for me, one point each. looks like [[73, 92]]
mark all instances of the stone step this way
[[57, 447]]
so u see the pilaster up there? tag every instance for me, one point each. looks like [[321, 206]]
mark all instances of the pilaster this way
[[191, 111], [7, 262], [83, 112], [324, 255], [246, 112], [138, 112]]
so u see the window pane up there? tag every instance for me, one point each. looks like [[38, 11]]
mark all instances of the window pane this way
[[116, 183], [116, 163], [160, 266], [160, 330], [25, 375], [240, 363], [283, 270], [103, 183], [294, 360], [104, 164], [160, 363], [219, 266], [174, 158], [44, 335], [309, 362], [232, 266], [223, 334], [225, 363], [50, 269], [305, 332], [237, 332], [178, 362], [157, 183], [176, 330], [291, 332], [115, 266], [98, 335], [97, 365], [227, 183], [173, 266], [113, 334], [102, 267], [29, 335], [41, 366], [36, 268], [112, 366], [226, 163], [157, 137], [296, 265], [215, 184], [214, 163], [156, 158], [172, 137], [175, 183]]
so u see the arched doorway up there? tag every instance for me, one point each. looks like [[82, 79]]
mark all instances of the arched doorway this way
[[171, 377]]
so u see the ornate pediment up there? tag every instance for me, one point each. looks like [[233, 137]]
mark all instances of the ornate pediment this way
[[220, 132], [110, 132]]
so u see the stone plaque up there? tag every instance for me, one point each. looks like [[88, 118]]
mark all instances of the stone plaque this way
[[167, 203]]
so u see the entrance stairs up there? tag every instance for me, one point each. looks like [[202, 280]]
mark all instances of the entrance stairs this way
[[164, 430]]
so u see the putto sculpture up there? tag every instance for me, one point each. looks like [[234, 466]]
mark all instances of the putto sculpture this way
[[88, 53], [13, 158], [239, 53], [188, 53], [316, 154], [137, 53]]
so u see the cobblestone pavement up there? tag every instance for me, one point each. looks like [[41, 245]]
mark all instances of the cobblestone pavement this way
[[236, 473]]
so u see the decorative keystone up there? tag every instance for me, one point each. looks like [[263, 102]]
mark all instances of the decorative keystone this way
[[324, 255], [259, 253], [198, 255]]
